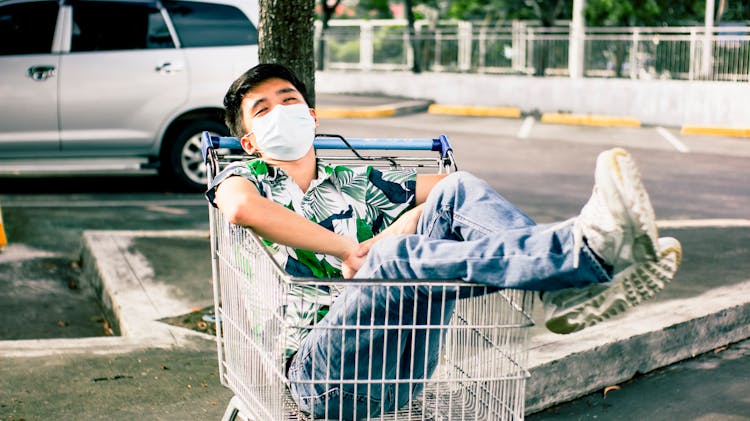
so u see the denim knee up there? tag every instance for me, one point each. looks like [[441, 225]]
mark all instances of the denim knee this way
[[455, 183]]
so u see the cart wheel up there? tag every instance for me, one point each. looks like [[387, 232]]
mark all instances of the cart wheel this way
[[236, 411], [182, 161]]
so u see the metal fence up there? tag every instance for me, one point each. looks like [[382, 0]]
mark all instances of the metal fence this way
[[679, 53]]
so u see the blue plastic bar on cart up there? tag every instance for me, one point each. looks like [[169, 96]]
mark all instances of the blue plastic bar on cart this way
[[440, 144], [390, 144]]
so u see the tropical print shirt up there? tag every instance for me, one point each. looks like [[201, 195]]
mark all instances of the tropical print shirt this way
[[354, 202]]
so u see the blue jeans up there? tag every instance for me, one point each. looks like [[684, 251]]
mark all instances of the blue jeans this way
[[467, 231]]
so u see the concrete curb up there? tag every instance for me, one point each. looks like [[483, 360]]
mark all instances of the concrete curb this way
[[379, 111], [124, 283], [656, 335], [590, 120], [715, 131], [596, 120], [668, 103], [506, 112]]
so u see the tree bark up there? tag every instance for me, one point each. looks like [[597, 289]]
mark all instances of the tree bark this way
[[416, 68], [285, 33], [547, 14], [720, 11]]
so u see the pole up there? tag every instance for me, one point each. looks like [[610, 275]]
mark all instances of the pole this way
[[577, 39], [708, 44]]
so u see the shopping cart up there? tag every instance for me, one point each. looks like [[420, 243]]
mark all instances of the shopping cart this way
[[474, 363]]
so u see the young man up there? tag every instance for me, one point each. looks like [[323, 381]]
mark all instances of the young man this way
[[333, 221]]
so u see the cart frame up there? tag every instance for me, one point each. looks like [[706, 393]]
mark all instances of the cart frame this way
[[481, 371]]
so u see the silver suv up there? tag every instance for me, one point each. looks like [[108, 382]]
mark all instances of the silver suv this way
[[119, 82]]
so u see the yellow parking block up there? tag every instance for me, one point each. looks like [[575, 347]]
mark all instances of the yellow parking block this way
[[3, 238], [362, 112], [507, 112], [590, 120], [715, 131]]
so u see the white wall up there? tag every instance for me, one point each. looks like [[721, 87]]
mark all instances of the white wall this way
[[670, 103]]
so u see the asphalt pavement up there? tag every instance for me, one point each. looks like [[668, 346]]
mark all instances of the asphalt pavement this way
[[681, 356]]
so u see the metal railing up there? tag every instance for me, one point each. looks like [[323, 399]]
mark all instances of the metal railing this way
[[678, 53]]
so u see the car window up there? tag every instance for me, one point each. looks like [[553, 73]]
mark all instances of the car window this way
[[108, 26], [27, 28], [210, 25]]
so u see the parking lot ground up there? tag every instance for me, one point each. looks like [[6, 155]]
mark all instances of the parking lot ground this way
[[548, 174]]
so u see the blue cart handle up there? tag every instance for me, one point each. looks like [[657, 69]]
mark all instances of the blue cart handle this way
[[325, 141]]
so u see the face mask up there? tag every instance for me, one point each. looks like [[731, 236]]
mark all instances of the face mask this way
[[286, 133]]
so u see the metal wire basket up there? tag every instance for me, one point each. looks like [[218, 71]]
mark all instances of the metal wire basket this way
[[465, 364]]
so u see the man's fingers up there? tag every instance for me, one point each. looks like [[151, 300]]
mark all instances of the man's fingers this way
[[348, 272], [363, 248], [362, 251]]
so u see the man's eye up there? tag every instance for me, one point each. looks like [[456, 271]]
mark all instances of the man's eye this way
[[290, 99]]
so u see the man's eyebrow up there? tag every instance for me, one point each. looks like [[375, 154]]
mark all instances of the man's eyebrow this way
[[285, 90], [257, 102], [281, 91]]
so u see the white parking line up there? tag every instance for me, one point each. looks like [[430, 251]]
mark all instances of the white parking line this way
[[525, 130], [167, 210], [677, 143]]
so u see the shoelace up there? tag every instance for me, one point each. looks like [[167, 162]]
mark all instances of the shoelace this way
[[577, 236]]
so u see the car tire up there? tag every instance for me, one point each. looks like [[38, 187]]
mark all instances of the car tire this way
[[182, 162]]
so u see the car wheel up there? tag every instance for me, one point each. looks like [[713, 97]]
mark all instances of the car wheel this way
[[182, 161]]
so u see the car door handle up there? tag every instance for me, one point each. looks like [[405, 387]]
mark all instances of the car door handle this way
[[40, 72], [167, 68]]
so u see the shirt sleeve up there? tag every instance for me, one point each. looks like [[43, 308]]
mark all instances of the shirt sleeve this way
[[389, 194], [240, 169]]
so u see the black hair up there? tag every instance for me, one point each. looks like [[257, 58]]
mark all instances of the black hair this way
[[250, 79]]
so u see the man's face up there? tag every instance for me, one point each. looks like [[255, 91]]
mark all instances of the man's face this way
[[260, 100]]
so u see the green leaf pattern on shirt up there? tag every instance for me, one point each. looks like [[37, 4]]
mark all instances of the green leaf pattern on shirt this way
[[337, 190]]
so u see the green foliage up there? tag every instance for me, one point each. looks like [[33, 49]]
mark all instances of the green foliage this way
[[389, 45], [597, 12], [622, 12], [682, 12], [735, 10], [346, 52], [374, 9], [660, 12], [504, 10]]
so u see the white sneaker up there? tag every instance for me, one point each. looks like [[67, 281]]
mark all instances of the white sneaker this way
[[572, 309], [618, 221]]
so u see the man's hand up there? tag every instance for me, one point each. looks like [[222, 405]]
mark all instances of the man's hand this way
[[405, 224], [351, 265]]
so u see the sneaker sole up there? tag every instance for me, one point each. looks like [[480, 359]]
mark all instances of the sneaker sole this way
[[630, 287], [623, 177]]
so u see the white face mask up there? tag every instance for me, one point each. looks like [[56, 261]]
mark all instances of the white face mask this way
[[286, 133]]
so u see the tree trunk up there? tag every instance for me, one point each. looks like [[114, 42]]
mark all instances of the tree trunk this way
[[720, 11], [540, 58], [285, 33], [326, 14], [416, 68], [547, 15], [619, 59]]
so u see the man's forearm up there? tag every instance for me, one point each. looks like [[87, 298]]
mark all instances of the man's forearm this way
[[283, 226], [241, 203]]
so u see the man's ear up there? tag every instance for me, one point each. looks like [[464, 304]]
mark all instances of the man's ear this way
[[314, 116], [248, 144]]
